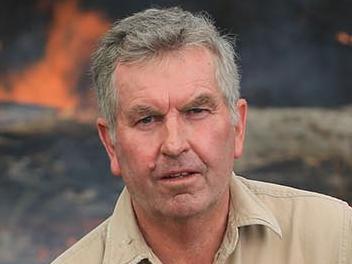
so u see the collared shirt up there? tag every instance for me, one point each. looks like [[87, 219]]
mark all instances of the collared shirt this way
[[267, 223]]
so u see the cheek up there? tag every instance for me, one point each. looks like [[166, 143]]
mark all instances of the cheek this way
[[215, 143], [136, 149]]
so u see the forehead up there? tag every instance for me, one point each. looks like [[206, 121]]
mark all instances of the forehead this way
[[173, 75]]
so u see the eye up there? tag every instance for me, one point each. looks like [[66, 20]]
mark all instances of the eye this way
[[197, 112], [146, 120]]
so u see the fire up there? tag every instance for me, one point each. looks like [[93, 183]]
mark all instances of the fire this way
[[344, 38], [52, 80]]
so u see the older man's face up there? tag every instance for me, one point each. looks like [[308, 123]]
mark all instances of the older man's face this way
[[175, 143]]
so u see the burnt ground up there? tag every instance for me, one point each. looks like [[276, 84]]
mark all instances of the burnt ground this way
[[55, 186]]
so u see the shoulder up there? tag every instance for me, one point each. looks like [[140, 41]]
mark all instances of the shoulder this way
[[295, 202], [307, 216], [89, 250], [269, 191], [306, 211]]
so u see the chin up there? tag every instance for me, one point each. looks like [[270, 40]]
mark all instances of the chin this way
[[183, 206]]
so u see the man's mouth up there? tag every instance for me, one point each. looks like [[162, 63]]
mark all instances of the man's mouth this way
[[178, 175], [180, 178]]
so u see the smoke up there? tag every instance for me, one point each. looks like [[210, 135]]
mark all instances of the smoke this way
[[292, 52], [289, 53]]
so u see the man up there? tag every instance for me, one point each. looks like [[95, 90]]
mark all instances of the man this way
[[172, 124]]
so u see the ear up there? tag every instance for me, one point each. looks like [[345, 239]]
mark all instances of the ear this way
[[110, 147], [240, 127]]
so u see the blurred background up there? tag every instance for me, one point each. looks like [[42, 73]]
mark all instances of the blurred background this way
[[55, 183]]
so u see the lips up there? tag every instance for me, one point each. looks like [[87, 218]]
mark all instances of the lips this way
[[177, 175]]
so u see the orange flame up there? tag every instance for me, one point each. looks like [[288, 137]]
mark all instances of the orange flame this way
[[344, 38], [52, 80]]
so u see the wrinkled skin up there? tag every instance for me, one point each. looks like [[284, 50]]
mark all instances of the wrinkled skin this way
[[175, 142]]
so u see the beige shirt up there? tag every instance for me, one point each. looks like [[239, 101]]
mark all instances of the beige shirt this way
[[267, 224]]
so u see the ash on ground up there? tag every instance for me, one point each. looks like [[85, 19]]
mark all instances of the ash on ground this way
[[55, 183]]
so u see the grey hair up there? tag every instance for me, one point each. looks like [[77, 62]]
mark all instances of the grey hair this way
[[149, 33]]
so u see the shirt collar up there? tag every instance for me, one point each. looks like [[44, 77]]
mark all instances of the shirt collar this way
[[124, 241], [248, 209]]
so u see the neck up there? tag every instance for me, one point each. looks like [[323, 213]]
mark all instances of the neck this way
[[188, 240]]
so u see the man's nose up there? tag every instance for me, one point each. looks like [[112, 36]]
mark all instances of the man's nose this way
[[175, 141]]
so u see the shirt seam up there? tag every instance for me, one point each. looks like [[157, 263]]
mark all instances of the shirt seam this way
[[288, 192], [344, 235], [296, 195]]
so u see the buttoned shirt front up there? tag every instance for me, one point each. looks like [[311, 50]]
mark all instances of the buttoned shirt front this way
[[267, 223]]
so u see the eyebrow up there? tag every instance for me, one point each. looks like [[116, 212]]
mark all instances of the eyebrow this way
[[202, 100], [138, 111]]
